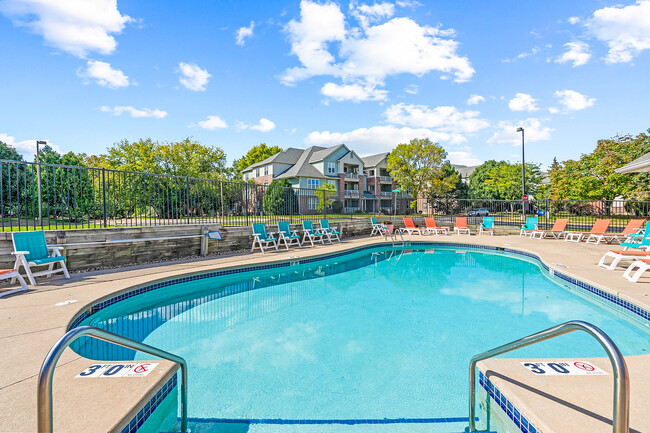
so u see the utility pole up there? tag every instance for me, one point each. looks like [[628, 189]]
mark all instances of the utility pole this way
[[523, 174]]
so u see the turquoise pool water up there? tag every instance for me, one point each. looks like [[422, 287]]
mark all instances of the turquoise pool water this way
[[374, 334]]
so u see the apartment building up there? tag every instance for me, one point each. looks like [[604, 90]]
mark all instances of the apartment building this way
[[361, 183]]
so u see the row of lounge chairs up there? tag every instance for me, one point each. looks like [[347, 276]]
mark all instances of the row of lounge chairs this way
[[263, 239], [596, 235], [432, 228]]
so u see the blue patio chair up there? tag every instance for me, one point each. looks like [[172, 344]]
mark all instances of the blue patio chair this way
[[530, 226], [260, 235], [328, 231], [645, 241], [31, 249], [311, 234], [487, 225], [286, 235], [377, 228]]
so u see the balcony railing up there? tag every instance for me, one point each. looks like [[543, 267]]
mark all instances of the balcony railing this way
[[385, 179], [386, 193], [351, 175], [352, 193], [351, 209]]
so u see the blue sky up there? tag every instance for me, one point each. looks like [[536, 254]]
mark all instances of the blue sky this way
[[85, 74]]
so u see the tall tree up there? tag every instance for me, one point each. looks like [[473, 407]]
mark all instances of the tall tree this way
[[256, 154], [592, 177], [418, 167], [280, 198], [9, 152], [325, 192], [501, 180], [191, 158], [138, 156]]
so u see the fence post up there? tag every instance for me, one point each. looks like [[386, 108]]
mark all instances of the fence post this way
[[104, 194], [187, 197]]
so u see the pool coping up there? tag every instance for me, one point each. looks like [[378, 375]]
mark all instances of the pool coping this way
[[177, 270]]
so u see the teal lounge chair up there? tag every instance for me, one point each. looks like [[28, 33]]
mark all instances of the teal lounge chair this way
[[260, 235], [530, 226], [487, 226], [311, 234], [376, 227], [645, 241], [286, 235], [328, 231], [31, 249]]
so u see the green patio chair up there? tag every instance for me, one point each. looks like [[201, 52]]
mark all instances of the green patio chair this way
[[645, 240], [530, 226], [31, 249], [487, 225], [328, 231], [260, 235], [311, 234], [286, 235]]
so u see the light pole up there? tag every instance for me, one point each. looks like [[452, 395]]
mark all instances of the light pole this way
[[38, 181], [523, 173]]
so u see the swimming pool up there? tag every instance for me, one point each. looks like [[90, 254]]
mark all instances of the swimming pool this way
[[377, 334]]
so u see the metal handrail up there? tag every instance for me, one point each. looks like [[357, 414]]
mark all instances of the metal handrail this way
[[621, 416], [44, 399]]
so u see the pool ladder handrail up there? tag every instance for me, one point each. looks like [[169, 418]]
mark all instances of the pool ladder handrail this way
[[621, 416], [44, 399]]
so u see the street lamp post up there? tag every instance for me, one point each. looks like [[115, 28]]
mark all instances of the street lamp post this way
[[38, 181], [523, 173]]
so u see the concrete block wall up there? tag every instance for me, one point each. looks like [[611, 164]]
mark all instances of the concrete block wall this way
[[87, 248]]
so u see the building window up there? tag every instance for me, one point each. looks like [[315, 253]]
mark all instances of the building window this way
[[257, 172], [424, 205], [372, 172], [313, 203], [396, 204], [331, 168], [266, 170], [312, 183]]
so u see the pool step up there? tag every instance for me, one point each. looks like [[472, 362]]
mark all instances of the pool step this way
[[435, 425]]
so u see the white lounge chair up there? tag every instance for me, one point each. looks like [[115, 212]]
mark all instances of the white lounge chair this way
[[618, 256], [13, 274], [461, 226], [31, 249], [377, 228], [639, 267], [328, 231], [409, 227], [311, 234], [432, 227]]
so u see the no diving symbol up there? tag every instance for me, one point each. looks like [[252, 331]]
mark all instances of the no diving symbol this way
[[142, 368], [584, 366]]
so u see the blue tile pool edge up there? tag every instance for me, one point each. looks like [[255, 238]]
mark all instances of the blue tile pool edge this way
[[614, 301], [508, 408], [147, 408]]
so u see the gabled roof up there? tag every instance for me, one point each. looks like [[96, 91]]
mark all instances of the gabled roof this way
[[323, 153], [302, 167], [374, 160], [288, 156], [639, 165]]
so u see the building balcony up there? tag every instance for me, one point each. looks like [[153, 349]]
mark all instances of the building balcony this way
[[352, 193], [385, 179], [386, 193], [353, 176]]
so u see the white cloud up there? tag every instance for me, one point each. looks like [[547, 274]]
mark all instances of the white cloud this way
[[211, 123], [573, 20], [366, 14], [463, 158], [243, 33], [523, 102], [75, 26], [353, 92], [369, 54], [193, 77], [104, 74], [533, 129], [523, 55], [625, 30], [577, 52], [265, 125], [412, 89], [553, 110], [25, 147], [445, 118], [574, 101], [134, 112], [475, 99]]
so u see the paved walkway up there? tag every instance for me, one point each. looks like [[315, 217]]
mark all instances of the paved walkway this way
[[32, 322]]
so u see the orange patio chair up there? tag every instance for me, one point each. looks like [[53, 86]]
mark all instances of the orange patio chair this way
[[594, 236], [461, 226], [432, 227], [559, 226], [409, 227]]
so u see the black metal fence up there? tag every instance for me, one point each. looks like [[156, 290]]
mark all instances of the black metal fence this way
[[46, 196]]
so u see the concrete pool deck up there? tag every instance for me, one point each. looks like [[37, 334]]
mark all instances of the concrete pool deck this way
[[32, 323]]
